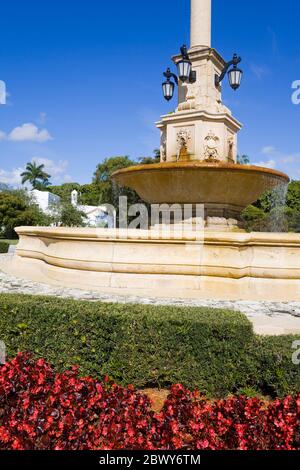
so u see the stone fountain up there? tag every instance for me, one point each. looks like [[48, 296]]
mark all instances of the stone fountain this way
[[199, 143], [198, 166]]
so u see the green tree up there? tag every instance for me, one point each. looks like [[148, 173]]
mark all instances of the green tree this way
[[91, 194], [243, 160], [151, 160], [293, 195], [88, 194], [4, 187], [276, 210], [64, 191], [35, 174], [66, 215], [294, 221], [43, 185], [108, 191], [253, 218], [17, 209], [105, 169]]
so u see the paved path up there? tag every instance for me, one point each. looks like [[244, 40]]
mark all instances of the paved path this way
[[267, 317]]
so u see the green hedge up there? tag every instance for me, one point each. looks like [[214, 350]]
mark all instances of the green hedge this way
[[214, 351], [4, 247]]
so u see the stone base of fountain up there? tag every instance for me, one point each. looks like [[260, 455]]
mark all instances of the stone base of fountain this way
[[205, 265]]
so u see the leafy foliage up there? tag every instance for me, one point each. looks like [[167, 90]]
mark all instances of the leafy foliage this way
[[243, 160], [44, 410], [67, 215], [293, 196], [253, 218], [151, 160], [64, 191], [102, 190], [17, 209], [4, 247], [275, 211], [110, 193], [295, 221], [215, 351], [109, 166], [35, 174]]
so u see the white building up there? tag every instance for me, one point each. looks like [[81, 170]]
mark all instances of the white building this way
[[45, 200], [96, 216]]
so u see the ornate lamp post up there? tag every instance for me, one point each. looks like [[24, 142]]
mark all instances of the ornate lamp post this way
[[185, 74], [209, 127], [234, 75], [200, 40]]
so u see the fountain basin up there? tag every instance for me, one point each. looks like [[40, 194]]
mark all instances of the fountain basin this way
[[225, 266], [224, 189]]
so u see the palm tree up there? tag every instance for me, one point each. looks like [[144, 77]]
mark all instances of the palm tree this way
[[35, 175], [243, 159]]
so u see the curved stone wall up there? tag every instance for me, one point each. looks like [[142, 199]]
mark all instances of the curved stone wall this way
[[220, 265]]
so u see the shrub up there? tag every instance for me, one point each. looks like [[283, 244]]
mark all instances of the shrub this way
[[253, 218], [67, 215], [215, 351], [16, 209], [41, 409], [295, 221], [4, 247]]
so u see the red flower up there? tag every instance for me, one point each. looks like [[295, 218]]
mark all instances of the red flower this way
[[40, 409]]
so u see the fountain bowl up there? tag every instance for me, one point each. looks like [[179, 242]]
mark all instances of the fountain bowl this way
[[225, 189]]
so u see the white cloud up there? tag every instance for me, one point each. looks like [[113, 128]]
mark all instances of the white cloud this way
[[29, 132], [269, 150], [12, 177], [68, 179], [57, 170], [26, 133], [281, 157], [268, 164]]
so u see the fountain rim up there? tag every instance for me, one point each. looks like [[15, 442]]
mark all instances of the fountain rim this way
[[199, 165]]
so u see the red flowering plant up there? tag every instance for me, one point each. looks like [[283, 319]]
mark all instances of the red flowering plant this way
[[41, 409], [237, 423]]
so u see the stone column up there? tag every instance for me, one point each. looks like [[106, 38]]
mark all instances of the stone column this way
[[200, 24]]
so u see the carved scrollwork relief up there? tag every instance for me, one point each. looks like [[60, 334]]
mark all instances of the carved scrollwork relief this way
[[211, 147]]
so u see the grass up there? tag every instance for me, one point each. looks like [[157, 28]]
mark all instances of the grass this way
[[10, 242]]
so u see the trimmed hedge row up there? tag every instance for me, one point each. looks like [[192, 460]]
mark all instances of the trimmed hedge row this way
[[4, 247], [212, 350]]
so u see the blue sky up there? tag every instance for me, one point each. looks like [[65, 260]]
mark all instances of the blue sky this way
[[84, 80]]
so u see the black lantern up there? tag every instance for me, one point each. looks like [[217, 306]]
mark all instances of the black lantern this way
[[235, 77], [168, 86], [168, 89], [184, 66]]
